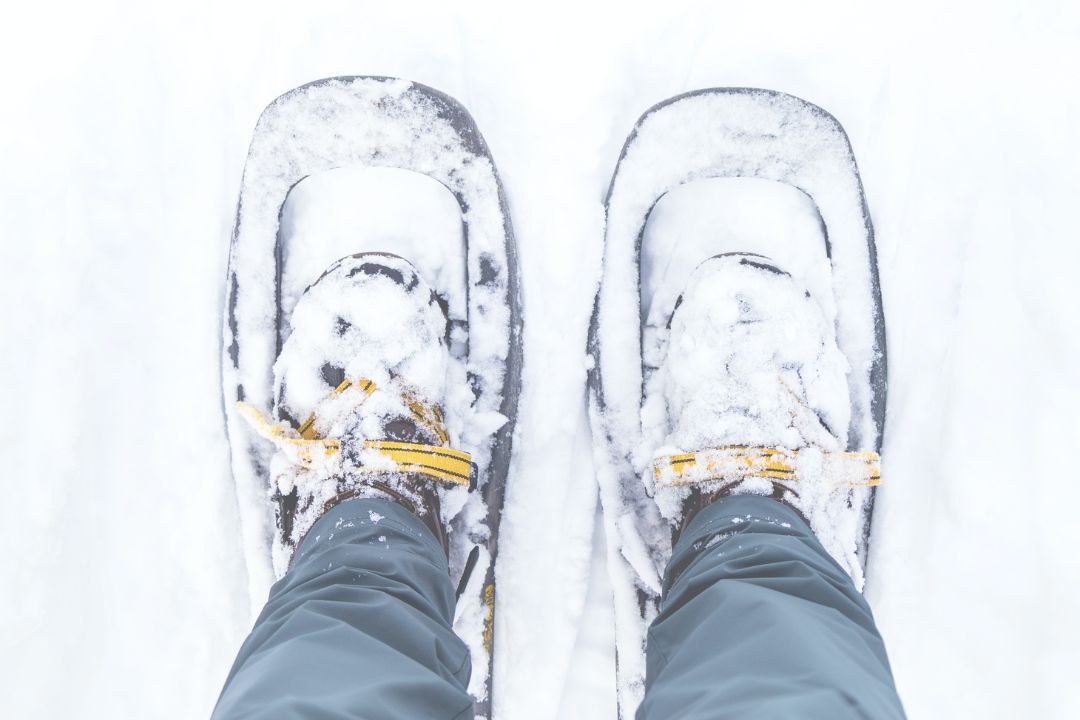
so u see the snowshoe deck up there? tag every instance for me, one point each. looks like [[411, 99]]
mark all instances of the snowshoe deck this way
[[701, 135], [368, 122]]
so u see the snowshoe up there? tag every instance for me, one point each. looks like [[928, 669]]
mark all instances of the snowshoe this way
[[751, 175], [341, 142]]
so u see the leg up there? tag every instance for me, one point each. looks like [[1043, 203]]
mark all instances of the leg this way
[[759, 621], [360, 626]]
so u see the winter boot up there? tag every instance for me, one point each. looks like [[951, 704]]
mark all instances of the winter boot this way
[[755, 393], [358, 388]]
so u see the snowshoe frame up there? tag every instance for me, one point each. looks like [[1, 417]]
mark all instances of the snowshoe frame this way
[[633, 561]]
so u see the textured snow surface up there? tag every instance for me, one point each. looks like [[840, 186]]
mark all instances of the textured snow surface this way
[[124, 135]]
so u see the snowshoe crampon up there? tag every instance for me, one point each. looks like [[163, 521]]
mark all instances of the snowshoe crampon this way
[[413, 135], [705, 173]]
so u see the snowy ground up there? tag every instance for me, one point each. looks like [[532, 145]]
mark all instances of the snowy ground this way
[[124, 129]]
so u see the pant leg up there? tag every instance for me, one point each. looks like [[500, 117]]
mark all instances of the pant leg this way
[[360, 627], [758, 621]]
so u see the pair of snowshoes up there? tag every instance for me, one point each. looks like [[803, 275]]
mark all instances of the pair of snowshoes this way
[[375, 122]]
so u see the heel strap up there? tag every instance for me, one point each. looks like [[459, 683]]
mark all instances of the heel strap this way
[[735, 462]]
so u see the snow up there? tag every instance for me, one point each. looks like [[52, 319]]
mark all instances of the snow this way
[[124, 137], [708, 217], [348, 210]]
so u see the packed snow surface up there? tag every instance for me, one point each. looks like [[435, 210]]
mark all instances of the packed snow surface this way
[[125, 130], [348, 210]]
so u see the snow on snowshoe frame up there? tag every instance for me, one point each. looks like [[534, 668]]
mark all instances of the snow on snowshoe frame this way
[[740, 132], [312, 129]]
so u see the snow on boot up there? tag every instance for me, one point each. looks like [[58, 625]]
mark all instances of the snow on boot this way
[[753, 398], [358, 389]]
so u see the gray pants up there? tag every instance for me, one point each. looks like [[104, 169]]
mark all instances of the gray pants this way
[[757, 621], [360, 627]]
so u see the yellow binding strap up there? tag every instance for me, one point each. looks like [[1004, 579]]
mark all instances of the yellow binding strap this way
[[428, 415], [734, 462], [303, 446], [366, 387], [284, 436], [450, 466]]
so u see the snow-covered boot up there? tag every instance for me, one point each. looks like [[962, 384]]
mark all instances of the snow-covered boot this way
[[358, 388], [754, 395]]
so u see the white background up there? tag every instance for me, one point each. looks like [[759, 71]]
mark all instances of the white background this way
[[123, 130]]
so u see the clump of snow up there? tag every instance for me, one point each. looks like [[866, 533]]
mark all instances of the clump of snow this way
[[363, 326], [749, 361]]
